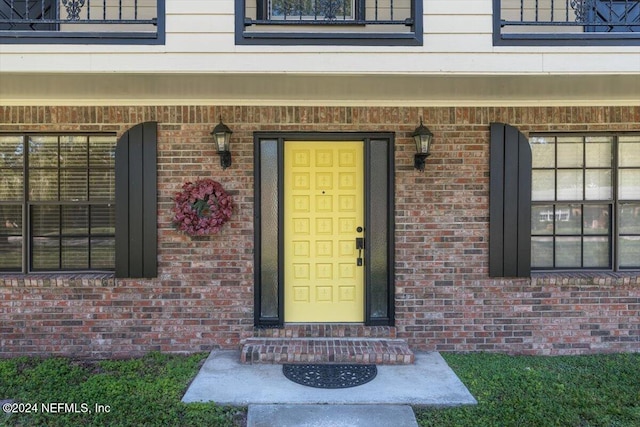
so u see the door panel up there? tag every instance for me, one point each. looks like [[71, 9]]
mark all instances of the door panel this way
[[323, 197]]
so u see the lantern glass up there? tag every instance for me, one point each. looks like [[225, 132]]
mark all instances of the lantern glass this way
[[423, 141], [222, 141]]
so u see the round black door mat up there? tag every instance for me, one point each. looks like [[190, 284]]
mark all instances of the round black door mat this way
[[330, 376]]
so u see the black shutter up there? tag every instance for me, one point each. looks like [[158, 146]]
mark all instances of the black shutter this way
[[136, 202], [510, 203], [18, 10], [617, 13]]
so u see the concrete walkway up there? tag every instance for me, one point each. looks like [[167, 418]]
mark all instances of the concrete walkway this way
[[331, 416], [224, 380]]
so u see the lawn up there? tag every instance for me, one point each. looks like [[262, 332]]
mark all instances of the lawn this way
[[580, 391], [136, 392], [521, 391]]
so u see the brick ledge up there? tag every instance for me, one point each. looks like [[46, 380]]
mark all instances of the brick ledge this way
[[326, 350]]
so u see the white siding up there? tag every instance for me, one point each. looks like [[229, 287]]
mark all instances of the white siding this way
[[200, 38]]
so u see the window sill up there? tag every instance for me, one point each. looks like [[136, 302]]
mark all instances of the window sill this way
[[57, 37], [560, 39], [582, 278], [328, 39], [57, 279]]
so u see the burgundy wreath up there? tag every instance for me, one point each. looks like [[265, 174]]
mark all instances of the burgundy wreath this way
[[202, 207]]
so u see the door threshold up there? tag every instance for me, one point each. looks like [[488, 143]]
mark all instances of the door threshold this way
[[323, 323], [326, 330]]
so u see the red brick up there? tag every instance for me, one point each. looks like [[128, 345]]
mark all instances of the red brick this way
[[203, 298]]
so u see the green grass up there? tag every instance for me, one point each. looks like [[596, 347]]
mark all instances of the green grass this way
[[137, 392], [580, 391]]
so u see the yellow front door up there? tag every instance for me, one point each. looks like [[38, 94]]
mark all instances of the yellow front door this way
[[324, 280]]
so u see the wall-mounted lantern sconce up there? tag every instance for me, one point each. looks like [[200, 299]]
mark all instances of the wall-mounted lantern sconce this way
[[422, 137], [221, 136]]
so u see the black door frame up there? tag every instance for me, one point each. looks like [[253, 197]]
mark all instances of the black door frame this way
[[379, 230]]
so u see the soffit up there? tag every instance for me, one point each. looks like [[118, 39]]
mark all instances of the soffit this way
[[318, 89]]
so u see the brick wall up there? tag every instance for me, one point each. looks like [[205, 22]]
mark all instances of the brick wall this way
[[203, 297]]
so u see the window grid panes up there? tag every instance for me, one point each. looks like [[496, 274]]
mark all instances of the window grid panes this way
[[312, 10], [585, 202], [57, 202]]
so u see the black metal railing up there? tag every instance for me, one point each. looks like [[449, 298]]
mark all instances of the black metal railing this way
[[19, 18], [332, 12], [331, 22], [567, 19]]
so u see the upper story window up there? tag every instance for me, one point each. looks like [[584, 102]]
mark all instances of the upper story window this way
[[82, 21], [57, 202], [313, 10], [564, 22], [585, 202], [331, 22]]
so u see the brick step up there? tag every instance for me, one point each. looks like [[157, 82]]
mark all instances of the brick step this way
[[378, 351]]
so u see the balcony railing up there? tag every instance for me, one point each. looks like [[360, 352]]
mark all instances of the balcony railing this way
[[315, 12], [330, 21], [567, 22], [102, 21]]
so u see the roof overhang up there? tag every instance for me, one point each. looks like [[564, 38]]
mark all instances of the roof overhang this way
[[318, 89]]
